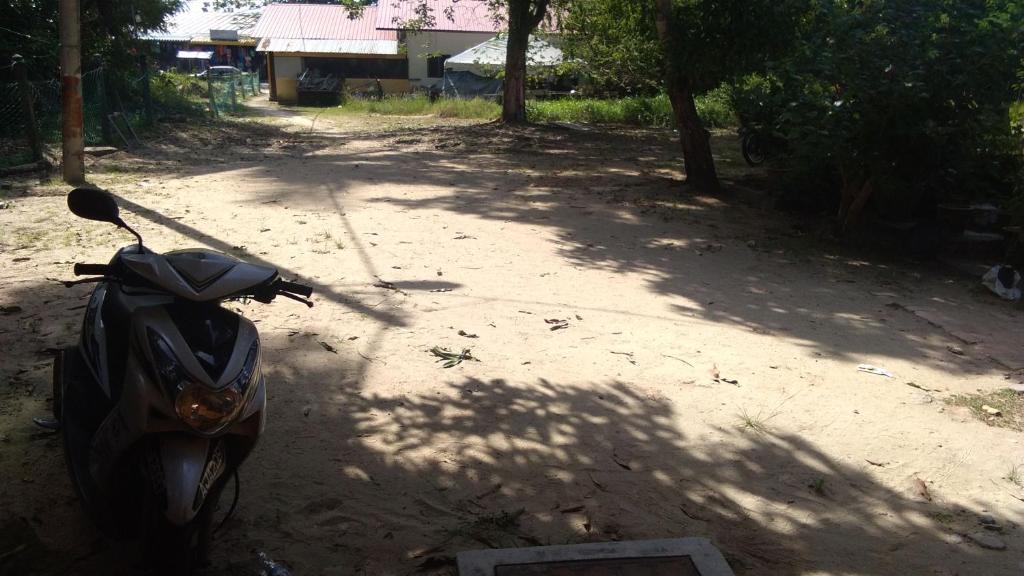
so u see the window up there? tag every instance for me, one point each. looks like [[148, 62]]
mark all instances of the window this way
[[435, 65]]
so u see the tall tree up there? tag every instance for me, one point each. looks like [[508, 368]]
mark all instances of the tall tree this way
[[523, 18], [690, 46]]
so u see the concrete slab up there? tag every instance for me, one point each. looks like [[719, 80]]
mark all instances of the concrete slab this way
[[669, 557]]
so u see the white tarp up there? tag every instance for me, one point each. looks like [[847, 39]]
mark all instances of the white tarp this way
[[192, 54], [487, 58]]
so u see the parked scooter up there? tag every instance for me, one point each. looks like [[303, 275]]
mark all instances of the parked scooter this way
[[163, 398]]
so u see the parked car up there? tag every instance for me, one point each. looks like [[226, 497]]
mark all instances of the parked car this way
[[219, 72]]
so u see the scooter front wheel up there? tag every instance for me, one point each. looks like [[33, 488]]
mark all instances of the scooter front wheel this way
[[179, 550]]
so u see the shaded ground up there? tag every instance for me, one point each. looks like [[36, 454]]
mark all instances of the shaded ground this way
[[622, 425]]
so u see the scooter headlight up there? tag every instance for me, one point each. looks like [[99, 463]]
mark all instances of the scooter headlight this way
[[204, 409], [207, 410]]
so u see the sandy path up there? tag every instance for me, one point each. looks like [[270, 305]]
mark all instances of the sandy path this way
[[376, 460]]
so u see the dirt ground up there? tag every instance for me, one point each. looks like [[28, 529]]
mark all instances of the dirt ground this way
[[703, 381]]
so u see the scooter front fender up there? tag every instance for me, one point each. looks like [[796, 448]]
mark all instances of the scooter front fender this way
[[189, 469]]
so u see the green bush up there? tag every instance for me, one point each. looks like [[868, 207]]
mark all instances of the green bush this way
[[895, 106], [174, 92]]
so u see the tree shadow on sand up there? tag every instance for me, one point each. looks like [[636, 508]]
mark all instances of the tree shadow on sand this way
[[379, 485]]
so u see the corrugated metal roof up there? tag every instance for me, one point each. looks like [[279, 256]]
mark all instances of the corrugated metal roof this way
[[193, 22], [384, 47], [465, 15], [319, 22]]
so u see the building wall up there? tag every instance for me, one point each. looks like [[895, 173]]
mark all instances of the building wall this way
[[422, 44], [288, 66], [286, 75]]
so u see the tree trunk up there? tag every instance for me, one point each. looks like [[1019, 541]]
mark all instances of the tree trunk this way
[[523, 18], [513, 105], [694, 138]]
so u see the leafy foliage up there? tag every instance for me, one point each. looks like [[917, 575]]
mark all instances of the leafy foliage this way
[[616, 46], [109, 29], [712, 42], [907, 100]]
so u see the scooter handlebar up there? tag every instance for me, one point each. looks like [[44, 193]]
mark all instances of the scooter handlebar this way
[[294, 288], [91, 269]]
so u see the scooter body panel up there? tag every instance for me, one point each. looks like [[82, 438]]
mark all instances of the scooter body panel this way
[[135, 418]]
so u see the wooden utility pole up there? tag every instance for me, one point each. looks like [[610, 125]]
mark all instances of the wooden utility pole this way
[[31, 128], [73, 140]]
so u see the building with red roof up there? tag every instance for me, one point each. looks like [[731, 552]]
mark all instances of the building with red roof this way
[[385, 46]]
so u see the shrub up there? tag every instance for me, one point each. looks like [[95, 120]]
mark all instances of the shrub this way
[[895, 106], [175, 92]]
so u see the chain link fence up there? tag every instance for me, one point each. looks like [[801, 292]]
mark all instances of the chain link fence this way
[[113, 106]]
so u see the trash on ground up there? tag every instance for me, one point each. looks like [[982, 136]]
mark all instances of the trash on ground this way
[[450, 358], [268, 567], [716, 375], [1004, 281], [465, 334], [991, 411], [557, 324], [328, 347], [441, 290], [874, 370], [955, 350], [381, 283]]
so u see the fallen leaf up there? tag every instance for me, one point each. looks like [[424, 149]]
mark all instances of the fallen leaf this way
[[922, 489], [623, 465]]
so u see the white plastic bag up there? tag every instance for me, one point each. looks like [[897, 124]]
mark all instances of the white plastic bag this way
[[1004, 281]]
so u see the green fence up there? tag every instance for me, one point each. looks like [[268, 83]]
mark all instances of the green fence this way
[[227, 92], [114, 105]]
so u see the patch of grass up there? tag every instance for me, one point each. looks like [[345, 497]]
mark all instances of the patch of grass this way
[[324, 240], [1010, 404], [942, 517], [24, 238], [818, 486], [475, 108], [651, 111], [755, 422], [1015, 475]]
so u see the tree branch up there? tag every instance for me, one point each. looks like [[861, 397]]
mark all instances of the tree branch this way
[[540, 7]]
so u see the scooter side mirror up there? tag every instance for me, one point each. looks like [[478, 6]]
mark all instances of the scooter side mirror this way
[[94, 204]]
